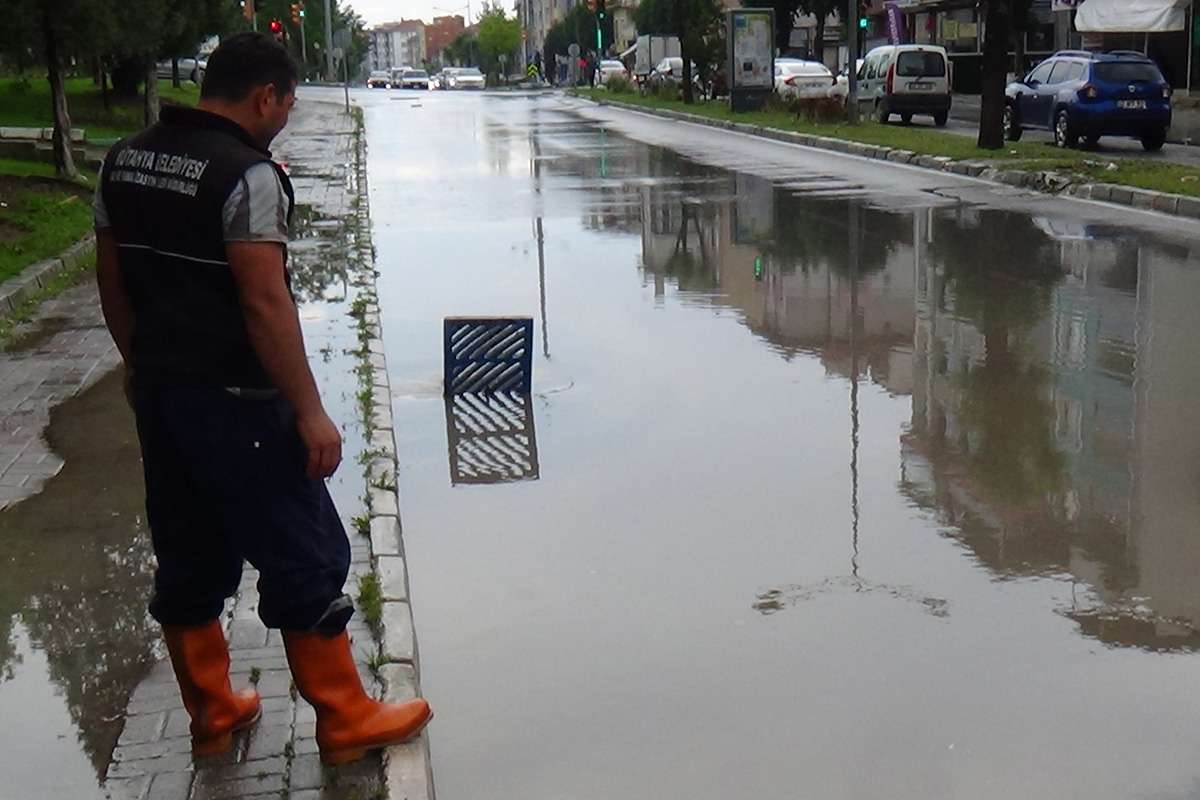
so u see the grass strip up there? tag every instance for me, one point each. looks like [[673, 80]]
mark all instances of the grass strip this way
[[25, 103], [1140, 173], [38, 223]]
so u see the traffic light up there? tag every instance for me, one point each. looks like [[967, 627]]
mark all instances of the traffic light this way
[[758, 268], [591, 6], [863, 23], [277, 30], [295, 9], [301, 10], [600, 8]]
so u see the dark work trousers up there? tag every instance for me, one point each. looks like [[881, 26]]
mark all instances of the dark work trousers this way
[[225, 481]]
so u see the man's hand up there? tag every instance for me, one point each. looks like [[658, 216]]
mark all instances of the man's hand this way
[[323, 443]]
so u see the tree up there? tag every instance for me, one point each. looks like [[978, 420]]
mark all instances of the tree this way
[[1001, 17], [578, 27], [498, 38], [693, 21], [463, 51], [820, 10], [785, 19]]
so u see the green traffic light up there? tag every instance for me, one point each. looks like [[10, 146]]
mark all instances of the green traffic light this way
[[862, 23]]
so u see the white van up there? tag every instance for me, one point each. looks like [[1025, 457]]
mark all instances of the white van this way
[[905, 79]]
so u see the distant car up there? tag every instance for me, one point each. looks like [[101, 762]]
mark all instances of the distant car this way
[[464, 78], [610, 68], [906, 79], [414, 79], [669, 72], [803, 79], [1081, 95], [190, 69], [379, 79]]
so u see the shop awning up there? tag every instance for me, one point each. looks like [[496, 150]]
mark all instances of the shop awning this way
[[1132, 16]]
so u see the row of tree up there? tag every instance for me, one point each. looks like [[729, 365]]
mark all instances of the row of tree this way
[[491, 44], [120, 42]]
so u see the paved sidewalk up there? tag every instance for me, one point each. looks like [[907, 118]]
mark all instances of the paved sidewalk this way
[[278, 756], [62, 352]]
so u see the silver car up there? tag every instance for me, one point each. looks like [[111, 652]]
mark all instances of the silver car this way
[[464, 78], [190, 69]]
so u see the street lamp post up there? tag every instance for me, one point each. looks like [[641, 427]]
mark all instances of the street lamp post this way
[[852, 68]]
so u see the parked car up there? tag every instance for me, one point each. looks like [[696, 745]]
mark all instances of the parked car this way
[[1080, 95], [190, 69], [906, 79], [610, 68], [669, 72], [414, 79], [803, 79], [379, 79], [464, 78]]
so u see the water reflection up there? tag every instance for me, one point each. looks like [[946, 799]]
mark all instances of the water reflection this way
[[1046, 390], [88, 620], [491, 438]]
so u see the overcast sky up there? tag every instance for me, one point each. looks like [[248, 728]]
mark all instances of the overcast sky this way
[[376, 11]]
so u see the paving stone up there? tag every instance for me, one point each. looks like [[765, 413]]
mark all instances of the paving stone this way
[[142, 728], [178, 724], [136, 752], [247, 633], [406, 768], [400, 682], [240, 788], [393, 577], [306, 773], [383, 502], [1166, 203], [398, 640], [268, 740], [1189, 207], [126, 788], [173, 762], [170, 786], [385, 535], [275, 683]]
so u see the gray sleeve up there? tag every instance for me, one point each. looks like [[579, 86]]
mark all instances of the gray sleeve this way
[[99, 210], [256, 209]]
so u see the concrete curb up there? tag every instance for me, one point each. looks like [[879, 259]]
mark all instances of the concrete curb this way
[[407, 768], [1055, 183], [19, 289]]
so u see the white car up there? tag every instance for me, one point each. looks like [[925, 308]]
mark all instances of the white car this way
[[379, 79], [190, 69], [414, 79], [464, 78], [610, 68], [804, 79]]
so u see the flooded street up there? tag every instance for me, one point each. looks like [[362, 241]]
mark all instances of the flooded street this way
[[839, 480]]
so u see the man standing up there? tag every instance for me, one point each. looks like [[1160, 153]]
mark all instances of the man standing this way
[[191, 224]]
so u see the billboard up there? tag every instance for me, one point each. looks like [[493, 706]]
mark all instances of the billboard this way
[[753, 49]]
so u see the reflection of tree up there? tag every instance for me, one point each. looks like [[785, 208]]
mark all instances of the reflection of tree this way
[[76, 566], [318, 253], [813, 231], [1007, 412]]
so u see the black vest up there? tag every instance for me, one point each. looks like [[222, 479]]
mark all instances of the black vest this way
[[164, 190]]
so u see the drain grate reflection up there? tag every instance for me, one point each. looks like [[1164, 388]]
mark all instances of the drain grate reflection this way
[[491, 438]]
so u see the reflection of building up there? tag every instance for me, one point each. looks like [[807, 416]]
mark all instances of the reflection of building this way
[[1092, 474]]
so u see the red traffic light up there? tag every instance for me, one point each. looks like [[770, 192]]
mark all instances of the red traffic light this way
[[276, 26]]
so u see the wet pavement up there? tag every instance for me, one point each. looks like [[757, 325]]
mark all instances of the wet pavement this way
[[839, 479], [90, 707]]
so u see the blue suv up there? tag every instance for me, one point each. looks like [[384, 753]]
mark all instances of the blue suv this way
[[1079, 95]]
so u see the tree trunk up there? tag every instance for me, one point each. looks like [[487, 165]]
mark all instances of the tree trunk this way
[[174, 73], [819, 40], [150, 106], [104, 93], [64, 160], [995, 70]]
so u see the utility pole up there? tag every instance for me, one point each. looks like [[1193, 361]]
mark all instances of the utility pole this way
[[303, 45], [329, 73], [852, 68]]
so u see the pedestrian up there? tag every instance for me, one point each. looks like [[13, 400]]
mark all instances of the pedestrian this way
[[191, 237]]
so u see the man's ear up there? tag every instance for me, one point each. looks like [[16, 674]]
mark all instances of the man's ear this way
[[268, 98]]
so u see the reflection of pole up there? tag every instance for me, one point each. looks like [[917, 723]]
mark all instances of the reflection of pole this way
[[303, 50], [852, 67], [542, 285], [329, 73], [854, 234], [346, 77], [535, 153]]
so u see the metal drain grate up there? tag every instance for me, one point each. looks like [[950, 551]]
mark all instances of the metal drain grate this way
[[491, 438], [488, 355]]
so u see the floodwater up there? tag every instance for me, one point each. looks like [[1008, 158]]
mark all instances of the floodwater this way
[[848, 480]]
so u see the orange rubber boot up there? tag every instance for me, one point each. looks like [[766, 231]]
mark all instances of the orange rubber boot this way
[[201, 661], [349, 721]]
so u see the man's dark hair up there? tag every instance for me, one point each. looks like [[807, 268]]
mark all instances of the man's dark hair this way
[[244, 61]]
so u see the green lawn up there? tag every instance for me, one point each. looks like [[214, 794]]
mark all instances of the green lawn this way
[[27, 104], [39, 218], [1143, 174]]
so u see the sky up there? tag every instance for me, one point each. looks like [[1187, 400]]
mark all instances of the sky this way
[[376, 11]]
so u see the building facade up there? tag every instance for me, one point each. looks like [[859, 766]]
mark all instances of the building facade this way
[[397, 44], [441, 32]]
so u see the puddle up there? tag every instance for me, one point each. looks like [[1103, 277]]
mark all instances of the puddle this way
[[857, 488]]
